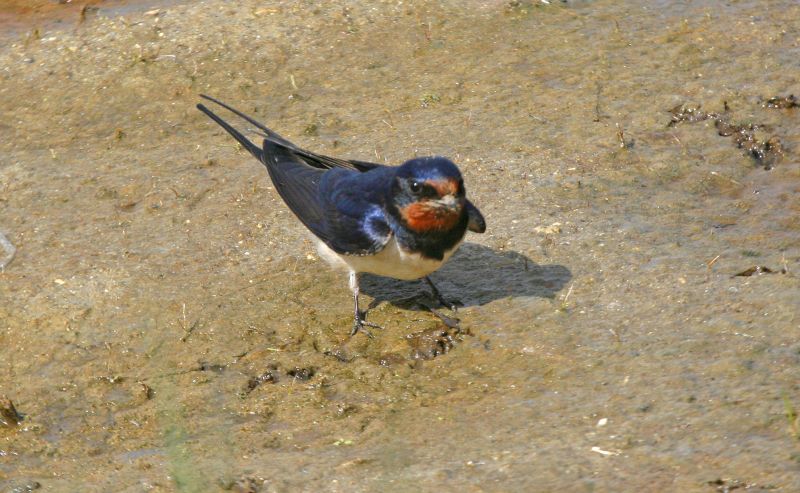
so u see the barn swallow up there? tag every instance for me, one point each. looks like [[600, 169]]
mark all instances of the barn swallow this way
[[395, 221]]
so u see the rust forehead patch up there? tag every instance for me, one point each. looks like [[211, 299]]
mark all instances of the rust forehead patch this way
[[421, 217], [444, 187]]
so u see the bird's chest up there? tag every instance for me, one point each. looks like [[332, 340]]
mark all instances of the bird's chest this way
[[392, 261]]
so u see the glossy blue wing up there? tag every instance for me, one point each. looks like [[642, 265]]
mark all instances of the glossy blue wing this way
[[330, 203], [354, 212], [298, 185]]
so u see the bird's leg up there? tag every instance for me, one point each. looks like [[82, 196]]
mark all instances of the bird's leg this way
[[438, 295], [359, 322]]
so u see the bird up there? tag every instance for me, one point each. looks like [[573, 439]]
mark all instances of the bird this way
[[402, 222]]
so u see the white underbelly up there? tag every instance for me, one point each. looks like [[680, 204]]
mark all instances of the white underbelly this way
[[392, 261]]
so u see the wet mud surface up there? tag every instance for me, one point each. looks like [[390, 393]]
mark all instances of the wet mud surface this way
[[766, 152], [629, 322], [32, 18]]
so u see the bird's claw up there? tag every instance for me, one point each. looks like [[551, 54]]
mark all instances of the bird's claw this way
[[451, 304], [450, 322], [360, 325]]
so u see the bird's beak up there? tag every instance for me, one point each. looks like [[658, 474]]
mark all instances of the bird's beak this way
[[448, 202]]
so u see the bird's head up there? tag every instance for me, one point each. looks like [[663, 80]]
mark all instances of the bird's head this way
[[428, 194]]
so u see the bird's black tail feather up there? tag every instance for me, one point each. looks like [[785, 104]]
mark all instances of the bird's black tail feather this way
[[312, 158], [268, 133], [246, 143]]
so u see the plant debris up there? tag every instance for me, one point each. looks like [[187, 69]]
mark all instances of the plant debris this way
[[430, 343], [728, 485], [213, 367], [765, 152], [246, 485], [688, 114], [25, 487], [303, 374], [269, 376], [147, 391], [759, 269], [340, 353], [781, 102], [9, 417]]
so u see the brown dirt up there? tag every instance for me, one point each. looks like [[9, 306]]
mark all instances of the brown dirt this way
[[166, 325]]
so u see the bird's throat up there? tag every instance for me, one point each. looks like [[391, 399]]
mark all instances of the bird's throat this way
[[424, 218]]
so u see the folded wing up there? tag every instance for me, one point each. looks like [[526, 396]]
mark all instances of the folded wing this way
[[330, 203]]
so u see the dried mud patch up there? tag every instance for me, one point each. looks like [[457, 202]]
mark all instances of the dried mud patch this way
[[166, 324]]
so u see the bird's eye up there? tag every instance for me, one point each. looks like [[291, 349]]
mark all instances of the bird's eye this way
[[415, 186]]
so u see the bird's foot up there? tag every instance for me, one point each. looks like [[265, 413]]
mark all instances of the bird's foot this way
[[451, 304], [360, 324], [450, 322]]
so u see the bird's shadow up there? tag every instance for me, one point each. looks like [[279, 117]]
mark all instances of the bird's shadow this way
[[474, 276]]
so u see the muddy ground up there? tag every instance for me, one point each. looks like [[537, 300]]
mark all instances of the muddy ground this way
[[166, 325]]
